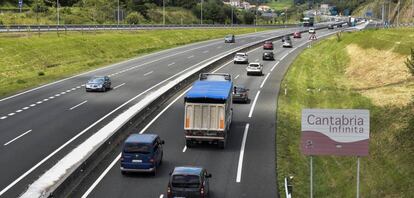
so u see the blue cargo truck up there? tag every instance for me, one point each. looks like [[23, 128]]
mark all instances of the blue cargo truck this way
[[209, 110]]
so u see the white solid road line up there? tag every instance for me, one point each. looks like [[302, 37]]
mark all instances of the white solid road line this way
[[271, 32], [102, 176], [90, 189], [160, 113], [94, 124], [119, 86], [74, 107], [264, 81], [236, 76], [274, 66], [239, 170], [241, 156], [254, 104], [146, 74], [18, 137]]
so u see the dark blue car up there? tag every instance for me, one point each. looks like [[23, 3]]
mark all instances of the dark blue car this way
[[142, 153], [188, 181]]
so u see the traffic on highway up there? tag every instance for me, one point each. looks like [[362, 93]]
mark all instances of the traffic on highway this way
[[213, 136]]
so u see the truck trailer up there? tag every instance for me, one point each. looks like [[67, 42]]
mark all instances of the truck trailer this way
[[208, 110]]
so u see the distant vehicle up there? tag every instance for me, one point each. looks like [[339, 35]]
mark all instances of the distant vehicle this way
[[297, 35], [189, 182], [312, 30], [229, 39], [141, 153], [351, 21], [268, 45], [98, 83], [208, 110], [330, 26], [287, 43], [241, 58], [240, 94], [255, 68], [336, 19], [308, 21], [286, 38], [268, 56], [339, 25]]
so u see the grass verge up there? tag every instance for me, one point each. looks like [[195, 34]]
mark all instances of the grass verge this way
[[30, 60], [318, 79]]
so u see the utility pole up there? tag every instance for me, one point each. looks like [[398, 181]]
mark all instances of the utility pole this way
[[57, 11], [163, 12], [118, 14], [232, 12], [201, 10], [398, 14], [389, 11]]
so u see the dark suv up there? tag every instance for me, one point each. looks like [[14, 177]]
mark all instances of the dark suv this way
[[141, 153], [268, 56], [188, 182]]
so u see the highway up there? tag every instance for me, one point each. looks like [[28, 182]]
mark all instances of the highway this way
[[245, 168], [41, 125]]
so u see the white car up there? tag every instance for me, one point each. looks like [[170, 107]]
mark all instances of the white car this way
[[312, 31], [255, 68], [241, 58]]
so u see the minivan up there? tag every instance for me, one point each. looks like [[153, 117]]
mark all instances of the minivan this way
[[189, 181], [141, 153]]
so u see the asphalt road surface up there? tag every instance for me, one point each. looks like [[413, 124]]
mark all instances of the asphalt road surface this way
[[41, 125], [245, 168]]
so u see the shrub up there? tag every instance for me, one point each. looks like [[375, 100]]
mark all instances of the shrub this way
[[40, 73], [134, 18]]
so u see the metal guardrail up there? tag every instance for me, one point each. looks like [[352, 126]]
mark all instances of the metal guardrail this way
[[385, 26], [48, 28], [77, 174]]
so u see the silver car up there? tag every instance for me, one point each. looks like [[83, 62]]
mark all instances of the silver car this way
[[241, 58], [98, 83], [255, 68], [287, 43]]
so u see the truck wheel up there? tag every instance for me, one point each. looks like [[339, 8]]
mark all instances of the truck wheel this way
[[222, 144], [188, 143]]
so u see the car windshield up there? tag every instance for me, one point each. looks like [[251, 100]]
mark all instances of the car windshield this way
[[240, 55], [268, 42], [268, 53], [239, 89], [96, 80], [254, 65], [229, 36], [185, 181], [137, 148]]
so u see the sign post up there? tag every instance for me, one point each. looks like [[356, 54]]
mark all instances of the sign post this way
[[340, 132], [20, 5]]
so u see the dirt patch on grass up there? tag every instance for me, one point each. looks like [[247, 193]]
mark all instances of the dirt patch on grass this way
[[380, 75]]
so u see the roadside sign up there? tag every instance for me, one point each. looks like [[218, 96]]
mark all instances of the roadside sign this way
[[20, 3], [343, 132]]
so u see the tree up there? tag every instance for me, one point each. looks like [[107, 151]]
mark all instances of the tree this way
[[410, 62]]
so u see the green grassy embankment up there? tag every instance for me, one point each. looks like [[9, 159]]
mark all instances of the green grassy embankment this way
[[280, 4], [31, 60], [364, 70]]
